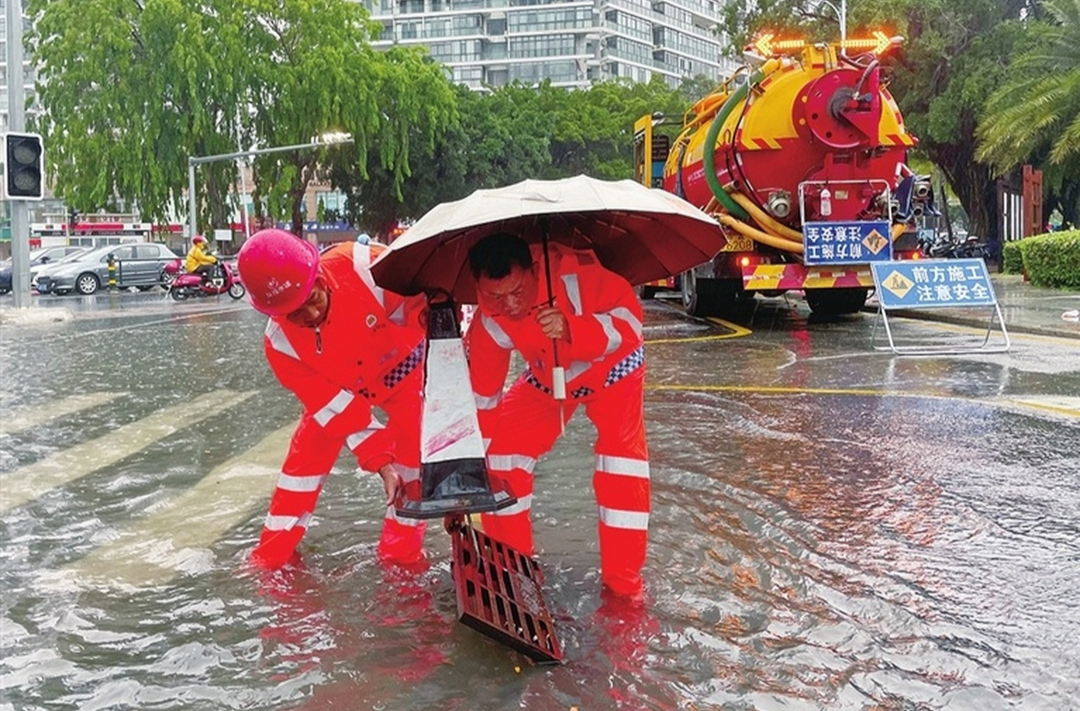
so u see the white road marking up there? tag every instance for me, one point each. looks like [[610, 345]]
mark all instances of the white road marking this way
[[176, 538], [29, 482], [31, 417]]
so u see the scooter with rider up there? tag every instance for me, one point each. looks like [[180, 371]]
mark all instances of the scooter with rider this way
[[206, 275]]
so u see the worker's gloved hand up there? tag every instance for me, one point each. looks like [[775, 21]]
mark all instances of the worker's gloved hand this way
[[393, 484]]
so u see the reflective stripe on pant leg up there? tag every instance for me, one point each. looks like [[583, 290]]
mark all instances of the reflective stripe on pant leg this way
[[312, 454], [621, 482], [526, 426], [402, 539]]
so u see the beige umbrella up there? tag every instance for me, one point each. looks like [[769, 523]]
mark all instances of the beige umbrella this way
[[637, 232], [640, 233]]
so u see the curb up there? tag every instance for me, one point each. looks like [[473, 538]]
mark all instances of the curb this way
[[929, 315]]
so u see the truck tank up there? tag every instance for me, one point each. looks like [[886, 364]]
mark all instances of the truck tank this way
[[803, 142]]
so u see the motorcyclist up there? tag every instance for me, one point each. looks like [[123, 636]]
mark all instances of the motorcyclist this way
[[199, 261]]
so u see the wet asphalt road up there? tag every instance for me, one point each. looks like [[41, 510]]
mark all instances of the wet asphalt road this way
[[833, 527]]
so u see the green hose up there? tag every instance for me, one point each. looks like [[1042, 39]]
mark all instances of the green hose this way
[[718, 191]]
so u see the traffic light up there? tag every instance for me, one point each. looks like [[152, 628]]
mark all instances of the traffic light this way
[[24, 178]]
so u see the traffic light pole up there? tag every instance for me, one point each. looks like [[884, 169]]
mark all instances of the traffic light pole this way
[[20, 224], [198, 160]]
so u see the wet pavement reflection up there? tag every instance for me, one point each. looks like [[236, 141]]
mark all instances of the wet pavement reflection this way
[[832, 528]]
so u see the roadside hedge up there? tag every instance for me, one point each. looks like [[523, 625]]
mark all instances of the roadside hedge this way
[[1011, 260], [1050, 260]]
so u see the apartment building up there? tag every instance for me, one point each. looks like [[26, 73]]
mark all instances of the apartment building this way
[[572, 43], [25, 74]]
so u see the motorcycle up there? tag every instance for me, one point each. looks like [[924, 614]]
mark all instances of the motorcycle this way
[[940, 246], [221, 280]]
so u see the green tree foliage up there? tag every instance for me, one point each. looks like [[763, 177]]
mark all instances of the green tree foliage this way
[[495, 139], [1036, 112], [507, 135], [131, 90]]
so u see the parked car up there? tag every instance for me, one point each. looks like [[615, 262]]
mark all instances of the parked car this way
[[46, 268], [38, 257], [140, 265]]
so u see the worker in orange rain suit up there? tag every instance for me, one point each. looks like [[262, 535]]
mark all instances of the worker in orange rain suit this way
[[341, 345], [596, 321]]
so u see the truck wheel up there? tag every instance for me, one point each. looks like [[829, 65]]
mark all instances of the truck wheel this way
[[709, 297], [836, 302], [645, 292]]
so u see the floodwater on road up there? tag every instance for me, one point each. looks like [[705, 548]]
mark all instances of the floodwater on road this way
[[832, 528]]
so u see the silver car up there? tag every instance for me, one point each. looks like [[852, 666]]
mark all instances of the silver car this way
[[134, 265], [38, 258]]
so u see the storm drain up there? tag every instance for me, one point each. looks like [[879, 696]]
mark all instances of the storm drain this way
[[499, 594]]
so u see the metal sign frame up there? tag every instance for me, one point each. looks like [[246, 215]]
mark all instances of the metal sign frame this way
[[885, 305]]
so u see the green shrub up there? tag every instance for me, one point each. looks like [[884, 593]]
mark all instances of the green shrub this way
[[1053, 259], [1011, 260]]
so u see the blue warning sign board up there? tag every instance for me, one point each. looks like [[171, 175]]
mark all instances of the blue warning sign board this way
[[933, 283], [846, 242]]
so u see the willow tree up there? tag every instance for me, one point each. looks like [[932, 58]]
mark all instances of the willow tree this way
[[126, 92], [129, 90], [313, 71]]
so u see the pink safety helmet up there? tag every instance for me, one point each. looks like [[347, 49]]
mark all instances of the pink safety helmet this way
[[198, 239], [279, 270]]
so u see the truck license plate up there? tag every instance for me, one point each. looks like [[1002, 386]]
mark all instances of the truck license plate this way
[[738, 243]]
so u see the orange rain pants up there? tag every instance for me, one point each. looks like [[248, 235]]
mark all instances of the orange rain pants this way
[[528, 425], [312, 454]]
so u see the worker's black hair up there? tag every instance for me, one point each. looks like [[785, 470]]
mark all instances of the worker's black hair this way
[[495, 255]]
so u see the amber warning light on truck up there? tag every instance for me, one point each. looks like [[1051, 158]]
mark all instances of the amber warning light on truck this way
[[767, 45]]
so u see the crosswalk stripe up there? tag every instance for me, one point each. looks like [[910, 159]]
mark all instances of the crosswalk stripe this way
[[177, 537], [33, 416], [29, 482]]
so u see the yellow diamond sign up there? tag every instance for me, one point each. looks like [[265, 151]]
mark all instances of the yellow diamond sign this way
[[875, 241], [898, 284]]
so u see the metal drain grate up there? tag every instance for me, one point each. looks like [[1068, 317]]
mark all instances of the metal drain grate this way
[[499, 594]]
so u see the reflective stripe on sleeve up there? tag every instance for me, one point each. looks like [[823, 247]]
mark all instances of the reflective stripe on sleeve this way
[[622, 465], [573, 292], [616, 518], [362, 266], [509, 462], [286, 523], [299, 484], [577, 367], [522, 505], [627, 315], [495, 331], [336, 406], [614, 338], [487, 403], [278, 340], [357, 438]]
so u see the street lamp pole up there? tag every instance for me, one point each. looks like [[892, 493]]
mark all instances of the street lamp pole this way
[[193, 161], [841, 14]]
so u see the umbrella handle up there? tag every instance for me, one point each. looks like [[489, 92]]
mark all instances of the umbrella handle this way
[[558, 382]]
